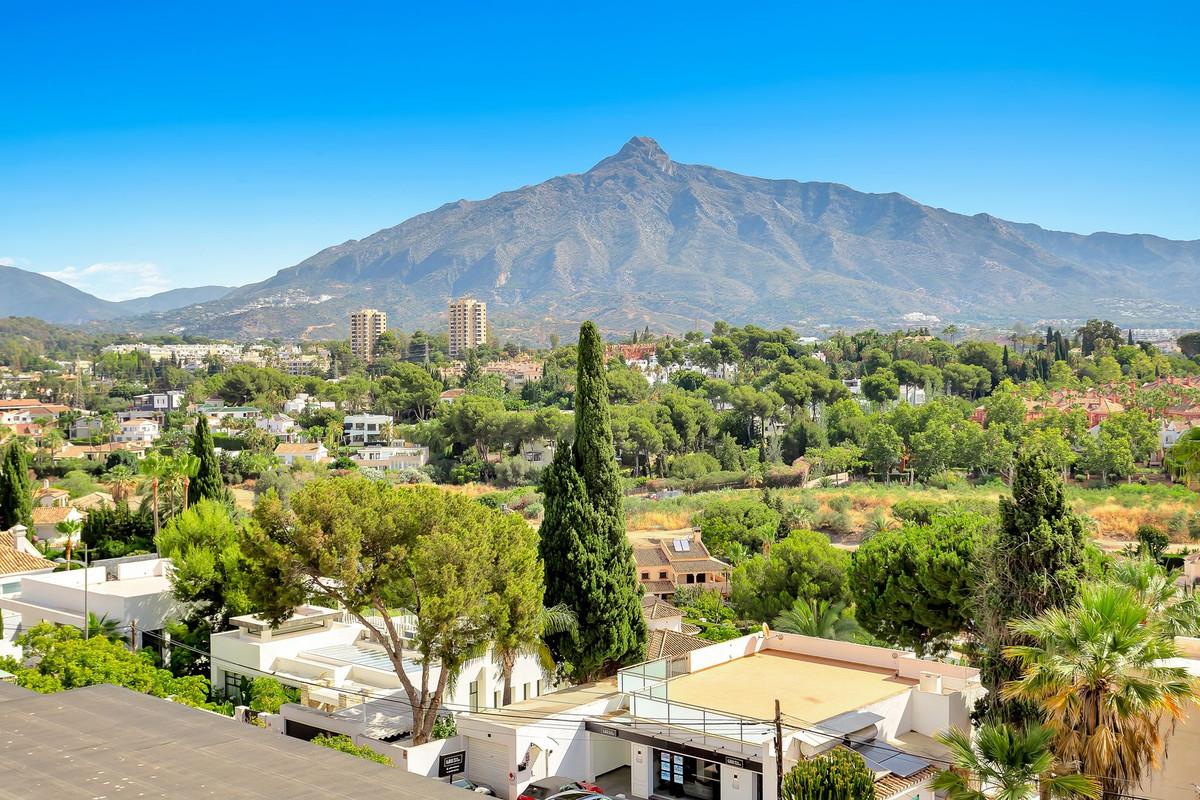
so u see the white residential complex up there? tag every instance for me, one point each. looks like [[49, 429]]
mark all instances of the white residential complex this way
[[347, 682], [699, 725], [134, 593]]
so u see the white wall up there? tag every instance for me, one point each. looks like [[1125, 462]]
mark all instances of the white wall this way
[[737, 783], [608, 753], [423, 759], [641, 762]]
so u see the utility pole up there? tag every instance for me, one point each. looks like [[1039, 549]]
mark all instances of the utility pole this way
[[778, 752], [87, 626]]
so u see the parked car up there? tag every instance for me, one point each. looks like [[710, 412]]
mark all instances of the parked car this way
[[560, 788], [472, 786]]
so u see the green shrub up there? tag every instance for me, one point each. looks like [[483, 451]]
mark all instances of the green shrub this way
[[693, 465], [840, 503], [915, 510], [346, 745], [747, 522]]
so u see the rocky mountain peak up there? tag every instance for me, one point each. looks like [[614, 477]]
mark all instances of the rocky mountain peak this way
[[640, 150]]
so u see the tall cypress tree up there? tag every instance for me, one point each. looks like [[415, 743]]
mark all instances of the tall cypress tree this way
[[1034, 563], [16, 493], [588, 559], [207, 483]]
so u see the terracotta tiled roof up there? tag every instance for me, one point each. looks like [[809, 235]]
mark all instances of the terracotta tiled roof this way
[[13, 560], [672, 643], [297, 449], [659, 587], [653, 608], [649, 555], [891, 785], [51, 515]]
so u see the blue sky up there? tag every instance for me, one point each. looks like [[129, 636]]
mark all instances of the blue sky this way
[[148, 146]]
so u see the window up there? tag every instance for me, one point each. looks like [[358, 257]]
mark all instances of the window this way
[[686, 777], [691, 578], [474, 695], [662, 576], [527, 691], [645, 576], [539, 688], [233, 686], [497, 698], [701, 577]]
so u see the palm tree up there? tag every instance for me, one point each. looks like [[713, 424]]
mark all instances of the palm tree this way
[[1183, 459], [121, 482], [1097, 674], [180, 471], [1174, 610], [105, 626], [1006, 763], [819, 618], [70, 528], [154, 466], [550, 621]]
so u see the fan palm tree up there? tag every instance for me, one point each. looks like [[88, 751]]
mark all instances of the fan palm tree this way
[[1183, 459], [121, 482], [154, 466], [179, 473], [69, 528], [105, 626], [1174, 610], [1006, 763], [550, 621], [819, 618], [1097, 674]]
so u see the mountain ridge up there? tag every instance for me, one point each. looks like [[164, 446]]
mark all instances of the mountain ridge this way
[[640, 239], [27, 293]]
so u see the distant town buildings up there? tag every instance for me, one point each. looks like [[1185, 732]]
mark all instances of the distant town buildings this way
[[366, 326], [468, 324]]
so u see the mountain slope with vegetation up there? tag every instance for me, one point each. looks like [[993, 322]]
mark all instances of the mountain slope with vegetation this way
[[641, 239]]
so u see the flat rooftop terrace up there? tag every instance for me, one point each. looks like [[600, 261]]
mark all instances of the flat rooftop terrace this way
[[807, 687]]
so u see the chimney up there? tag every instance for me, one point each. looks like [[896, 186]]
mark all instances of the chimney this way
[[19, 542]]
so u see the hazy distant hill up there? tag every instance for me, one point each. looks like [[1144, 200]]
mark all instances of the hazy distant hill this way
[[29, 294], [640, 239], [172, 299]]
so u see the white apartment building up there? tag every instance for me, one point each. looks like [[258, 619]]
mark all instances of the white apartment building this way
[[468, 325], [347, 682], [137, 431], [135, 593], [366, 326], [699, 726], [302, 402], [392, 457], [364, 428], [278, 425], [291, 452]]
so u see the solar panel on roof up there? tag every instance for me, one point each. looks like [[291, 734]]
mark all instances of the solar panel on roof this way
[[873, 755], [904, 765]]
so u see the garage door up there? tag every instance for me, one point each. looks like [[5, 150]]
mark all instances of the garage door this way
[[488, 762]]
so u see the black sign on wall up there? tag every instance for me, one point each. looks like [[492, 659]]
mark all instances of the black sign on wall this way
[[452, 763]]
